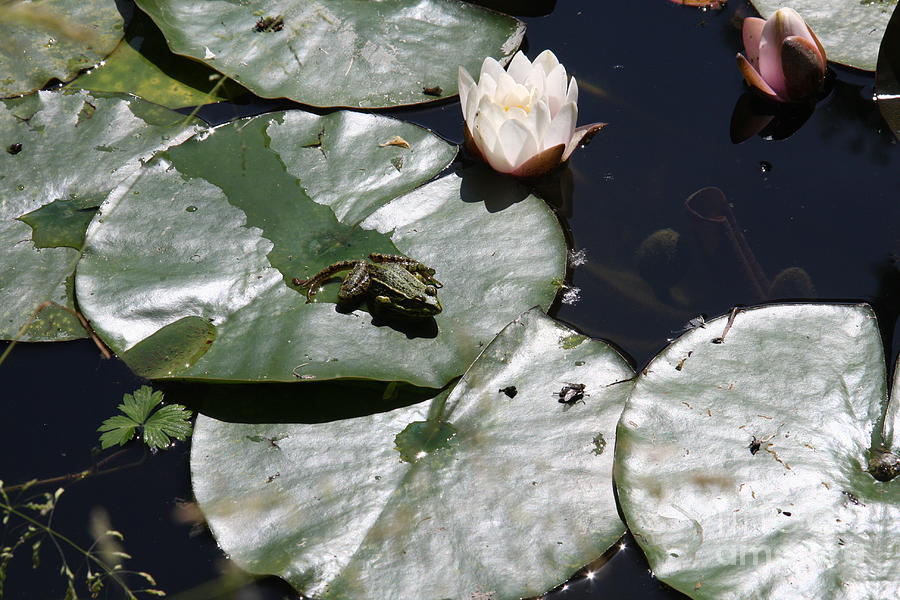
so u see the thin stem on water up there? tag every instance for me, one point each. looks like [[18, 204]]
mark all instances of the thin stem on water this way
[[92, 471]]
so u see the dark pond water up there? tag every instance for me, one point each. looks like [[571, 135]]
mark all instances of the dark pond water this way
[[824, 201]]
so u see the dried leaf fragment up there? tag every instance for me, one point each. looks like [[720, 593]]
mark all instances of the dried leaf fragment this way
[[395, 141]]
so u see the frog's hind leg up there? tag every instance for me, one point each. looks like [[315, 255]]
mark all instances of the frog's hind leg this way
[[312, 284], [424, 273]]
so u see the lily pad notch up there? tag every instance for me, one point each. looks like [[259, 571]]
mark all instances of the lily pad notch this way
[[743, 457]]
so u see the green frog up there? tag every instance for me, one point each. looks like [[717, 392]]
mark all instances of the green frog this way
[[395, 284]]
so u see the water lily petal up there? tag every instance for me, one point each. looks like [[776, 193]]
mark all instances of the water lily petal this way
[[487, 140], [491, 67], [517, 113], [770, 51], [752, 34], [754, 79], [466, 83], [562, 126], [506, 88], [519, 67], [804, 71], [540, 116], [490, 111], [537, 80], [556, 89], [789, 23], [485, 134], [540, 163], [511, 136], [581, 136], [517, 142], [470, 108], [520, 96], [472, 146], [546, 61], [819, 46], [487, 86], [770, 66], [572, 94]]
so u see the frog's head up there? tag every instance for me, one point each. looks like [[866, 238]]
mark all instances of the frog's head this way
[[422, 305]]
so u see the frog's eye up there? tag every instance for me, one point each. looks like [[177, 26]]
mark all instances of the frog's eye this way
[[430, 290]]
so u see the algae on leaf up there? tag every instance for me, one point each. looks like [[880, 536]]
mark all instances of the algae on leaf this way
[[742, 458], [143, 65], [473, 493], [62, 152]]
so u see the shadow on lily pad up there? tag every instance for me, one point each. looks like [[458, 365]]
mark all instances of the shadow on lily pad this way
[[497, 191], [311, 402]]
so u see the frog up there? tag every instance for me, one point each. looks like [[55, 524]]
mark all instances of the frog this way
[[392, 283]]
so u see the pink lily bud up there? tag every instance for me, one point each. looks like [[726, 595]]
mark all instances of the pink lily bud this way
[[785, 60], [521, 120]]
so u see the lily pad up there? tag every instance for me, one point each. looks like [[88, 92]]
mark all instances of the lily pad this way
[[850, 30], [53, 39], [485, 493], [339, 52], [238, 215], [60, 155], [142, 64], [887, 78], [741, 466]]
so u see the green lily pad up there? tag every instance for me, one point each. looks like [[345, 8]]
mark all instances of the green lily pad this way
[[339, 52], [142, 64], [741, 466], [850, 30], [60, 155], [53, 39], [486, 493], [239, 214], [887, 77]]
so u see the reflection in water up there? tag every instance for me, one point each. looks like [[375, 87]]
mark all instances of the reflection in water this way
[[855, 119], [721, 241], [623, 572], [770, 120]]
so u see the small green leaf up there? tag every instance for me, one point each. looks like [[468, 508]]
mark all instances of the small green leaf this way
[[139, 405], [169, 421], [172, 421], [118, 430]]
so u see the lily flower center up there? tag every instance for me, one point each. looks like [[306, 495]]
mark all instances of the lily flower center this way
[[518, 97], [525, 107]]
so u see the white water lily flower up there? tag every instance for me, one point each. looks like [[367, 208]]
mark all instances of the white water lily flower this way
[[522, 120]]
